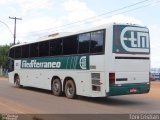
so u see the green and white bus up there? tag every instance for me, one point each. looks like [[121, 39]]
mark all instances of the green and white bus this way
[[109, 60]]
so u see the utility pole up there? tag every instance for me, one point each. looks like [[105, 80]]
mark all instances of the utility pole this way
[[15, 22]]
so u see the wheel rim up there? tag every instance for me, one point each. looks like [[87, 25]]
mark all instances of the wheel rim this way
[[17, 82], [70, 90], [56, 87]]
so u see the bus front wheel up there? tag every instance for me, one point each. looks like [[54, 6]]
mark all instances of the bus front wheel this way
[[17, 81], [57, 87], [70, 89]]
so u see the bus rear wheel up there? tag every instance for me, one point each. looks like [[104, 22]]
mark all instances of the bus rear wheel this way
[[70, 89], [56, 87]]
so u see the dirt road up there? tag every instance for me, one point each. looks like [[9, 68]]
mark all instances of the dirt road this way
[[31, 100]]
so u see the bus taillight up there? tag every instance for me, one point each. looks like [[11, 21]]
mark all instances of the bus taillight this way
[[111, 78]]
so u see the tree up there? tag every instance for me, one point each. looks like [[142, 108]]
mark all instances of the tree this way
[[4, 56]]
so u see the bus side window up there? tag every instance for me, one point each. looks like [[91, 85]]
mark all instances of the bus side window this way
[[11, 53], [84, 41], [18, 52], [97, 41], [34, 50], [44, 49], [11, 59], [55, 47], [25, 51], [70, 45]]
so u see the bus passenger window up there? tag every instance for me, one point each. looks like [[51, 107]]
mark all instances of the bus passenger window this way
[[84, 40], [34, 50], [55, 47], [97, 39], [18, 52], [70, 45], [44, 48], [25, 51], [11, 52]]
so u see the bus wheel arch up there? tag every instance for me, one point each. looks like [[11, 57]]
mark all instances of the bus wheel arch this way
[[69, 87], [56, 86], [17, 80]]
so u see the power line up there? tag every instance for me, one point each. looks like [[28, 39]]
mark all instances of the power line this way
[[128, 6], [121, 12], [7, 27], [117, 13], [92, 20], [114, 14]]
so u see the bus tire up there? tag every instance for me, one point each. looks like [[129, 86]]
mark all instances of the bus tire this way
[[57, 87], [70, 89], [17, 81]]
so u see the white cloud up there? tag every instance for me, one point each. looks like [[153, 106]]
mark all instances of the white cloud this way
[[22, 7], [6, 36], [3, 2], [36, 28], [28, 5], [77, 10], [117, 19], [155, 3]]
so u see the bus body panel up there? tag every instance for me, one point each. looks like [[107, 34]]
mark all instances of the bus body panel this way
[[132, 71], [97, 67], [109, 58], [11, 77], [90, 72], [41, 78]]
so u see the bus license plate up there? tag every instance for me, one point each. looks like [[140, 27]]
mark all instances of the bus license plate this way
[[133, 90]]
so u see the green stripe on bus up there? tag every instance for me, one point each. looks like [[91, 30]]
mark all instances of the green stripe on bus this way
[[124, 89], [65, 62]]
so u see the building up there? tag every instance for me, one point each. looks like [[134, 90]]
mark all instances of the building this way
[[155, 73]]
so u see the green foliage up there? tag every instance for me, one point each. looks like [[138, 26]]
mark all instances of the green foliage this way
[[4, 55]]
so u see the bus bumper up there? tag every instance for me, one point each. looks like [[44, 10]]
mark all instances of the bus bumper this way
[[126, 89]]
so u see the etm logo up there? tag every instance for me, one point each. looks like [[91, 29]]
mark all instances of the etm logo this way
[[135, 39], [83, 62]]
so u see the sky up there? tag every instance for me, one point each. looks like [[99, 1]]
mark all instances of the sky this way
[[43, 17]]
